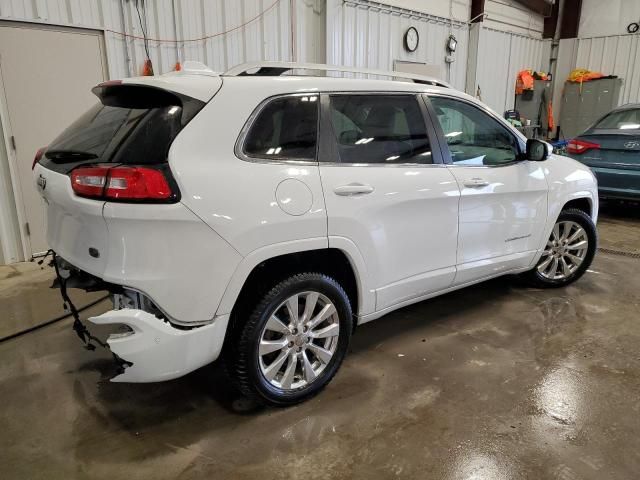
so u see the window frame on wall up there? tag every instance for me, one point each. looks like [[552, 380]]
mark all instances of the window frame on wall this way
[[328, 153], [444, 147], [240, 146]]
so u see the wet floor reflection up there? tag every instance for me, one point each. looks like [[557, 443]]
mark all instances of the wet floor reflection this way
[[497, 381]]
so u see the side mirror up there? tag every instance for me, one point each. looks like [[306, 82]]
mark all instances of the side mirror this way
[[537, 150]]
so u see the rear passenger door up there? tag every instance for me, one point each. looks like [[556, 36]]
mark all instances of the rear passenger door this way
[[388, 192]]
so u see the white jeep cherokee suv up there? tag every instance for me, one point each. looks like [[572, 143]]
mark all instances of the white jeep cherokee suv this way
[[262, 216]]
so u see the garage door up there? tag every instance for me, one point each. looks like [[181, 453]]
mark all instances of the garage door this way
[[47, 75]]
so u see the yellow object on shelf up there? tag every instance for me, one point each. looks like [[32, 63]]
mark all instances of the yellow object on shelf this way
[[580, 75]]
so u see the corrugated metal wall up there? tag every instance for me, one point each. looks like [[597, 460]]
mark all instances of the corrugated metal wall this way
[[267, 37], [501, 56], [358, 33], [615, 55], [512, 15], [368, 34]]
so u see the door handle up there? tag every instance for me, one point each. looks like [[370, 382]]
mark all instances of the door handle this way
[[475, 183], [353, 189]]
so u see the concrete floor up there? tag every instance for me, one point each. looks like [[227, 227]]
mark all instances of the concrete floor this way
[[26, 299], [495, 381]]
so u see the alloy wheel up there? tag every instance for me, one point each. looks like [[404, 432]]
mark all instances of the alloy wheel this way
[[565, 251], [299, 340]]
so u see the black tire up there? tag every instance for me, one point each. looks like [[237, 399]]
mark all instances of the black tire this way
[[536, 279], [243, 359]]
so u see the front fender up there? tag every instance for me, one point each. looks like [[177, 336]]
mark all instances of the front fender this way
[[568, 180]]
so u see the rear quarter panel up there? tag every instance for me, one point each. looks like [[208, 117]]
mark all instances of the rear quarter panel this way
[[168, 253], [241, 199], [237, 198]]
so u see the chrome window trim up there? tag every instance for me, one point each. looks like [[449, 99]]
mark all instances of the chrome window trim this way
[[378, 165], [238, 149], [509, 164], [493, 115]]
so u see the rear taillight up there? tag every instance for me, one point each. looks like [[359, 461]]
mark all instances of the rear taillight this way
[[89, 181], [120, 183], [38, 157], [581, 146]]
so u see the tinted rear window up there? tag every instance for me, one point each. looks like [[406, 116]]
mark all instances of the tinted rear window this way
[[387, 129], [97, 128], [286, 128], [130, 126]]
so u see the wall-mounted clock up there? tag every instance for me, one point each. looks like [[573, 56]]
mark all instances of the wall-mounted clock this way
[[411, 39]]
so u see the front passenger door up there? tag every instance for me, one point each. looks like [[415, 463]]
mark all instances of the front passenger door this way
[[503, 205]]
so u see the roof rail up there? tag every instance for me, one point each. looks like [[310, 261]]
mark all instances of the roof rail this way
[[278, 68]]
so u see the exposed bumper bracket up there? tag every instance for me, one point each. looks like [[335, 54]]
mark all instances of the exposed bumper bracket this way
[[154, 349], [63, 277]]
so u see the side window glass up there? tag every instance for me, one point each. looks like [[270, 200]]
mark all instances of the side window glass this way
[[286, 128], [474, 138], [387, 129]]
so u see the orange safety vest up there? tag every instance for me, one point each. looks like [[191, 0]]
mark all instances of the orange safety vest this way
[[524, 81]]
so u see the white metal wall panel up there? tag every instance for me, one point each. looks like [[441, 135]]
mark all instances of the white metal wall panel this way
[[250, 36], [368, 34], [9, 232], [81, 13], [267, 37], [311, 30], [501, 55], [615, 55], [513, 16]]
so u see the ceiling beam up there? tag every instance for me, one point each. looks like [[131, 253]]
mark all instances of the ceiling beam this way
[[570, 19], [543, 7], [477, 9]]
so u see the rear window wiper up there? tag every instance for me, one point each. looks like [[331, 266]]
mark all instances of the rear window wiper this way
[[70, 155]]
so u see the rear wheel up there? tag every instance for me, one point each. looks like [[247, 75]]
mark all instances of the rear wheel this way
[[294, 341], [568, 252]]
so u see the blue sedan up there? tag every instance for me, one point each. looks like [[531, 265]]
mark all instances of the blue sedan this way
[[611, 148]]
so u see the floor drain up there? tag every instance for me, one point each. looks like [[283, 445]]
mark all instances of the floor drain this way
[[619, 252]]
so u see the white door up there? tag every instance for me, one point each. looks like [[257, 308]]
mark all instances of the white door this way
[[387, 191], [47, 75], [503, 207]]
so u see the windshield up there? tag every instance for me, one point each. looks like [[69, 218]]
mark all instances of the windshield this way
[[621, 120]]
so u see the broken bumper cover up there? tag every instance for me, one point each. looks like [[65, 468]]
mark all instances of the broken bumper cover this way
[[158, 351]]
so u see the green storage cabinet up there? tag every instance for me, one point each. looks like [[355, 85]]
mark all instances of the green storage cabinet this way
[[583, 104]]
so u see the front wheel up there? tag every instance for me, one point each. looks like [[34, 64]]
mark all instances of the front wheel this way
[[294, 341], [568, 252]]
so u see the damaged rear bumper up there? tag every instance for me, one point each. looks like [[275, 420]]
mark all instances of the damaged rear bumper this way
[[158, 351]]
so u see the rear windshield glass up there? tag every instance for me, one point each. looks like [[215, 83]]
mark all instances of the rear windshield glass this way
[[128, 127], [93, 132], [621, 120], [123, 135]]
